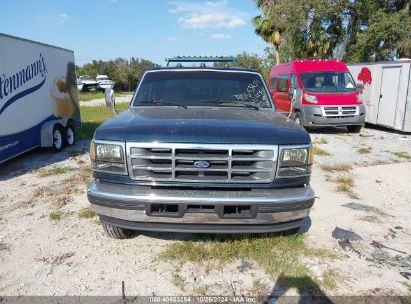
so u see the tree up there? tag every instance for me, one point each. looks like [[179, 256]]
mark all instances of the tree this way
[[309, 28], [379, 31], [246, 60], [250, 61], [125, 73], [265, 28], [356, 30], [271, 24], [253, 61]]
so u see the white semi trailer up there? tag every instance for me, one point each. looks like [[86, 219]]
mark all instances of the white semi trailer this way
[[387, 92], [39, 100]]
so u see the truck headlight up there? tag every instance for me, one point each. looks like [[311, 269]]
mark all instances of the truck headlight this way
[[294, 161], [310, 98], [108, 157]]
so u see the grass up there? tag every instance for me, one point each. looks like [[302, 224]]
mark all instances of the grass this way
[[200, 290], [83, 176], [258, 284], [408, 286], [320, 152], [92, 117], [86, 213], [178, 280], [69, 180], [56, 260], [322, 140], [87, 96], [55, 171], [54, 216], [277, 255], [364, 150], [60, 259], [330, 279], [336, 168], [402, 154], [62, 200], [345, 184]]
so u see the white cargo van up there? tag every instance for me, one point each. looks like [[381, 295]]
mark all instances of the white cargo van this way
[[387, 92], [39, 100]]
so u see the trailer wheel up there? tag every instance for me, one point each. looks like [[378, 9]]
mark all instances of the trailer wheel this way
[[70, 135], [116, 232], [354, 129], [57, 138]]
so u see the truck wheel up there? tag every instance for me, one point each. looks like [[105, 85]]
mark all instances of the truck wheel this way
[[69, 138], [354, 129], [57, 138], [116, 232], [297, 119]]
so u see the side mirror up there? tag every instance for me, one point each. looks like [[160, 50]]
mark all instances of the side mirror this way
[[291, 90], [360, 87], [110, 99]]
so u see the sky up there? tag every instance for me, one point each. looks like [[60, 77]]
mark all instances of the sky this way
[[150, 29]]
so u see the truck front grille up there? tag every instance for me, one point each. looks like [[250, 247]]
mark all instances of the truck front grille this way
[[201, 163], [340, 111]]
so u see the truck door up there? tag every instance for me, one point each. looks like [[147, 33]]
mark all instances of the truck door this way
[[273, 89], [283, 96], [387, 105]]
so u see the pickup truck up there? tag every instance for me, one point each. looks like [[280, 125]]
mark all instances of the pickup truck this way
[[200, 150]]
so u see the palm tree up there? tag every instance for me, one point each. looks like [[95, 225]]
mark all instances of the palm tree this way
[[266, 30], [318, 43], [269, 27]]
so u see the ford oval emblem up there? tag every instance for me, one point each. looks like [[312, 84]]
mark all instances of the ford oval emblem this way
[[201, 164]]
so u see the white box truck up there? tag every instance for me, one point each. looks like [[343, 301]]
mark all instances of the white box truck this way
[[39, 100], [387, 92]]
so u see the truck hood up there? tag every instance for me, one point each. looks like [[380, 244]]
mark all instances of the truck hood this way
[[202, 125]]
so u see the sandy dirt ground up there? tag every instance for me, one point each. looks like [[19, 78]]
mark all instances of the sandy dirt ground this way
[[47, 246]]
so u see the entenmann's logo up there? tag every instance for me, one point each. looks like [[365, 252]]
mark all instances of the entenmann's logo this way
[[9, 84]]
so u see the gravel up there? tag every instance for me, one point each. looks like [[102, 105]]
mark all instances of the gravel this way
[[344, 147], [73, 256]]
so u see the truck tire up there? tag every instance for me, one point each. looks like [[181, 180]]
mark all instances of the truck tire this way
[[116, 232], [69, 134], [58, 138], [297, 119], [354, 129]]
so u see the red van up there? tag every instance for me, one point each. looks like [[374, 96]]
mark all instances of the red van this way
[[317, 93]]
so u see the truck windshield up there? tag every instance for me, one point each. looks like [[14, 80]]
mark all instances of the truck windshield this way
[[328, 82], [202, 88]]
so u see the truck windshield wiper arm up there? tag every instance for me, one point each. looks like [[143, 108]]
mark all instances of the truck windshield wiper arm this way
[[162, 103], [233, 103]]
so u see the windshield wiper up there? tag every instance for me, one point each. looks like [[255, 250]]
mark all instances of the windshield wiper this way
[[231, 103], [161, 103]]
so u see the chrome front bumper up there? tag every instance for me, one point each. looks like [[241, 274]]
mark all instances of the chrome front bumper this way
[[313, 116], [270, 209]]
